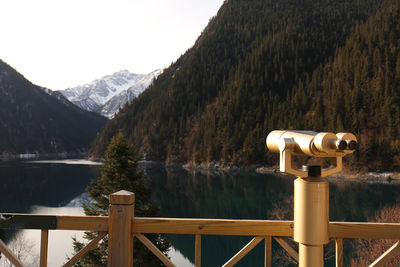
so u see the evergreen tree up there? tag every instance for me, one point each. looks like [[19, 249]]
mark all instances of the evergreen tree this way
[[120, 171]]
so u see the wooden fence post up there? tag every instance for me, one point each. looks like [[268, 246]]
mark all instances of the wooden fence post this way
[[120, 238]]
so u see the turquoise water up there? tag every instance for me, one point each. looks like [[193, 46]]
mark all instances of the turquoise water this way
[[50, 187]]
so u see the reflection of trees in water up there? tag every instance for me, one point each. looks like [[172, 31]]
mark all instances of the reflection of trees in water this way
[[358, 201], [253, 196], [199, 195], [24, 185], [224, 195]]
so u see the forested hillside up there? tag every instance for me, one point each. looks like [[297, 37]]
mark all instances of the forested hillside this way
[[33, 121], [264, 65], [359, 91]]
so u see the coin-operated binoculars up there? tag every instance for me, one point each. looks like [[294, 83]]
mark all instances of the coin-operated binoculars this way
[[311, 192]]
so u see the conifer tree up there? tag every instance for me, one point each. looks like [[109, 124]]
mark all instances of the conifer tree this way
[[120, 171]]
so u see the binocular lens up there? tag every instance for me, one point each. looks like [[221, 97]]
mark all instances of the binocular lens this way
[[351, 144], [341, 145]]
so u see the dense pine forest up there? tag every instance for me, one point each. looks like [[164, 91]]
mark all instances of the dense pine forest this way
[[34, 121], [263, 65]]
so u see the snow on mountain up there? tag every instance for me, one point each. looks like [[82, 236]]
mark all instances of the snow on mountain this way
[[108, 94]]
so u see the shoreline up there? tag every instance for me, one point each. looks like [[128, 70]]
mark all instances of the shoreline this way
[[216, 167], [343, 175], [4, 157], [346, 175]]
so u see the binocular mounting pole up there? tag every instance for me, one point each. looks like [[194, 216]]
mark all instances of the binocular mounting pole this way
[[311, 216]]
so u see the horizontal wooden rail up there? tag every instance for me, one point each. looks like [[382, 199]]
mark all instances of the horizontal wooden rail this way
[[83, 223], [197, 226], [53, 222], [364, 230], [212, 227], [260, 227], [27, 221]]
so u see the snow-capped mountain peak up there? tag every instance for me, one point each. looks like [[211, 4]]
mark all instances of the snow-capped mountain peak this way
[[107, 94]]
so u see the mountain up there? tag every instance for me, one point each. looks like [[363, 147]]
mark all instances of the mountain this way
[[110, 93], [33, 121], [359, 90], [262, 65]]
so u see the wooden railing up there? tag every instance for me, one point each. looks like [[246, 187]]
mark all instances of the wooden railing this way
[[122, 227]]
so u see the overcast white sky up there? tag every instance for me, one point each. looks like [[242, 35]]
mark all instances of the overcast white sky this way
[[65, 43]]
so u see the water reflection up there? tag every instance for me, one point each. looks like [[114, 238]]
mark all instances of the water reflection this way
[[185, 194], [45, 188], [248, 195], [23, 184], [244, 195], [358, 201], [209, 195]]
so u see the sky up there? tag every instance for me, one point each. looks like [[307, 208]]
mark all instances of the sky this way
[[64, 43]]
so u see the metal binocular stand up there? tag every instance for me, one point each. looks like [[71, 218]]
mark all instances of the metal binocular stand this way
[[311, 191]]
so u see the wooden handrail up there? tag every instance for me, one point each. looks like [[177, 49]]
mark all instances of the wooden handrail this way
[[364, 230], [212, 227], [260, 228], [83, 223], [52, 222], [139, 225], [197, 226], [121, 226]]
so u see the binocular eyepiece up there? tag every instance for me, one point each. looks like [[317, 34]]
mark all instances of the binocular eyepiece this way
[[314, 144], [346, 144]]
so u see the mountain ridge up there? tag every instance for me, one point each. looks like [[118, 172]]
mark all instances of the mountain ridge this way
[[109, 93], [34, 121]]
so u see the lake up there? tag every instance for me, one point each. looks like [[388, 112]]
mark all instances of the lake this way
[[57, 187]]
